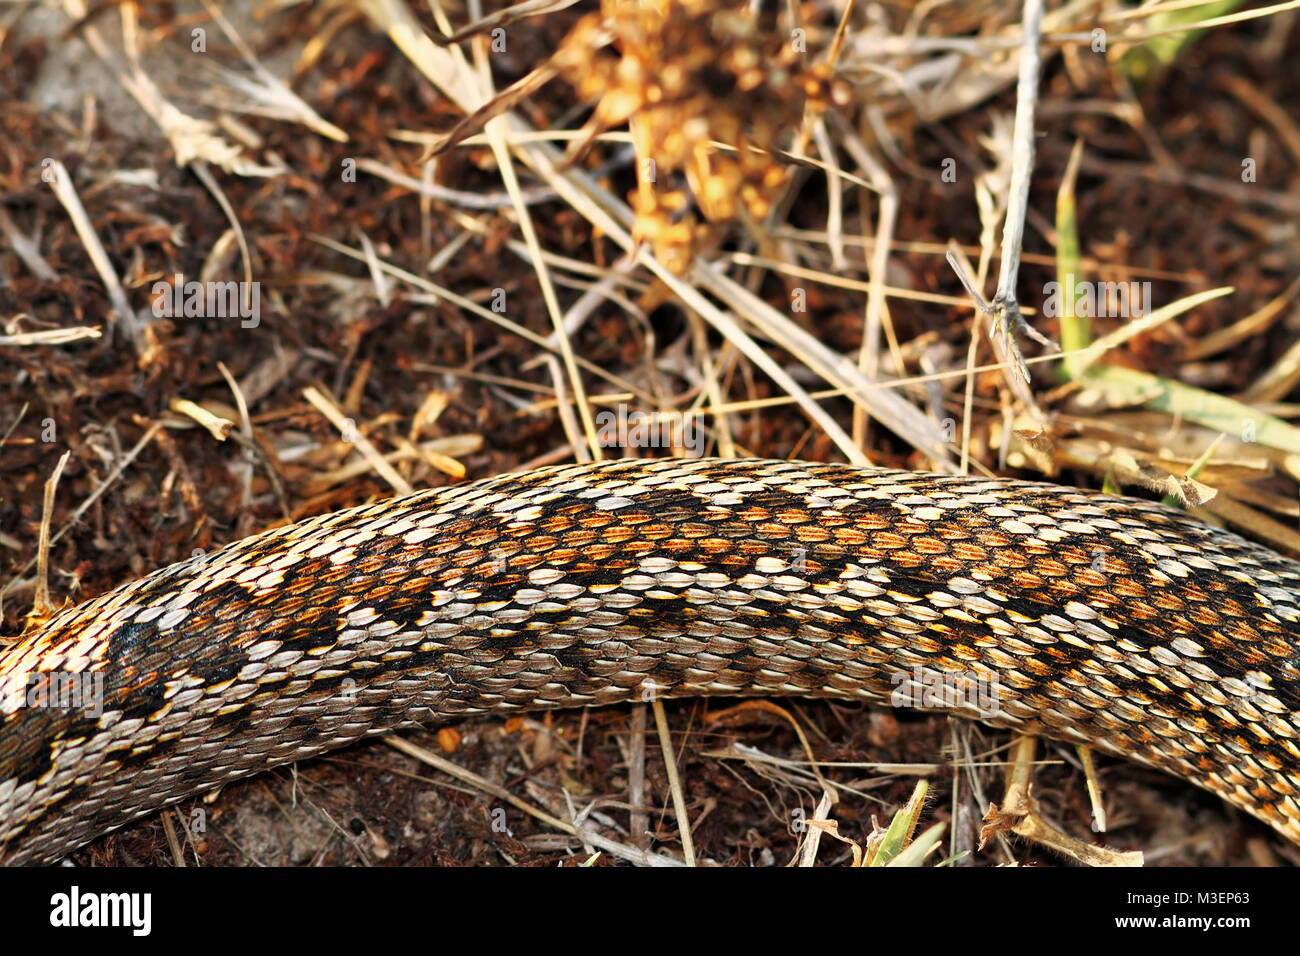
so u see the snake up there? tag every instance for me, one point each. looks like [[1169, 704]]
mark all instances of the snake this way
[[1118, 623]]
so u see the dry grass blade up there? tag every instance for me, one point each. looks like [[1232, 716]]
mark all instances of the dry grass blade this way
[[42, 606], [348, 429], [117, 472], [712, 212], [516, 13], [613, 847], [190, 138], [502, 103], [48, 337], [674, 781], [268, 95], [1243, 329], [56, 174]]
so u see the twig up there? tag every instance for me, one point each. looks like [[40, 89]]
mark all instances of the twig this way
[[612, 847], [674, 782], [638, 821], [26, 249], [52, 336], [348, 430], [41, 604], [813, 835], [1004, 310], [66, 193], [94, 496], [200, 168]]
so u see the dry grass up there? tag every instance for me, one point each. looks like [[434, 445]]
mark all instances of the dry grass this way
[[478, 228]]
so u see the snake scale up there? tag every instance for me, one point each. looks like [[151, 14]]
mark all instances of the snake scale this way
[[1104, 620]]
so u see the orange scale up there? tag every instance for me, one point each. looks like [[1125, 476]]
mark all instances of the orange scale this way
[[850, 537], [968, 552], [994, 540], [931, 546], [873, 522], [1206, 616], [1127, 587], [618, 534], [1169, 601], [946, 564], [657, 532], [1051, 568], [694, 529], [1074, 555], [1141, 611], [1065, 587], [1090, 578]]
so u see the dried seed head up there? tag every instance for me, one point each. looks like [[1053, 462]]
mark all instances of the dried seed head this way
[[712, 94]]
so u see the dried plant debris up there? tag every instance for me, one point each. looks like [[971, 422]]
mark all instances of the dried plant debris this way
[[403, 300], [688, 76]]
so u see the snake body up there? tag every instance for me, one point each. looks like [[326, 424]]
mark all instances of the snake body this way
[[1103, 620]]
